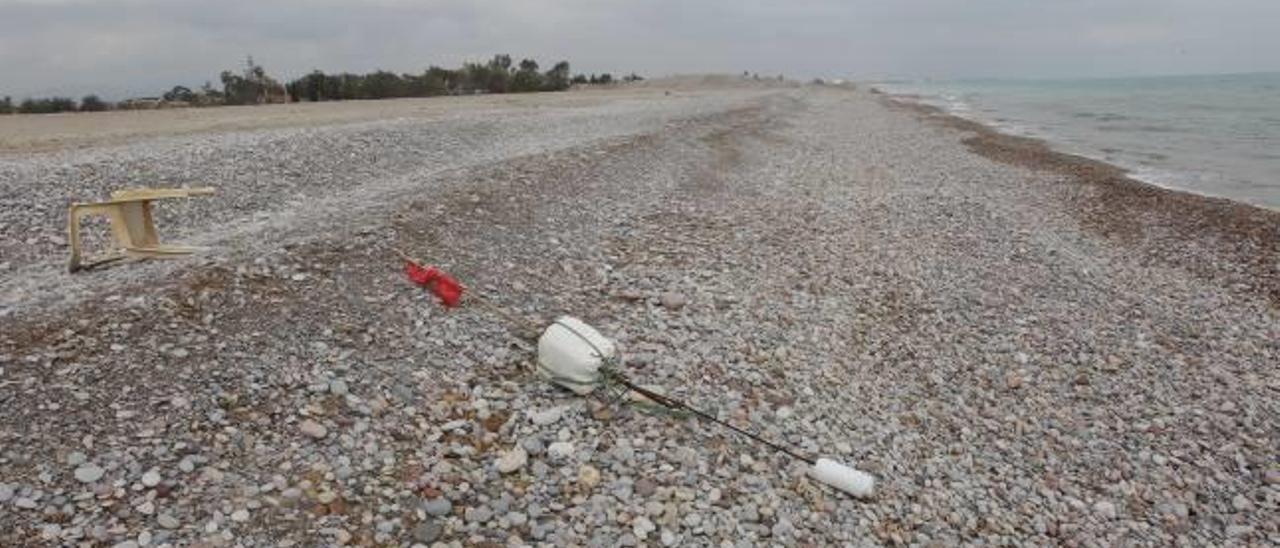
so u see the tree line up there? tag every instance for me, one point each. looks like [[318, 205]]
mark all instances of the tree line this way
[[50, 105], [252, 85], [498, 75]]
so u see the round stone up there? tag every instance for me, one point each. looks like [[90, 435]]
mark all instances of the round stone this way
[[313, 429], [560, 450], [151, 478], [512, 460], [89, 473], [545, 417], [168, 521], [1241, 503], [673, 301], [338, 387], [533, 446], [427, 531], [642, 526], [588, 476], [438, 507], [1272, 477], [478, 514]]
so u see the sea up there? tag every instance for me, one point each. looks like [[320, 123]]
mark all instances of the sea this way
[[1215, 135]]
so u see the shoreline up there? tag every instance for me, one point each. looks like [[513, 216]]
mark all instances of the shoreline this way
[[1121, 208], [1055, 144]]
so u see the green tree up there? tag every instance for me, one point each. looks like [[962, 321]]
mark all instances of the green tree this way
[[47, 106], [557, 79], [349, 87], [382, 85], [473, 77], [251, 87], [527, 78], [92, 103], [429, 83], [209, 95], [498, 74], [493, 76], [6, 106], [310, 87], [180, 93], [439, 81], [501, 62], [332, 89]]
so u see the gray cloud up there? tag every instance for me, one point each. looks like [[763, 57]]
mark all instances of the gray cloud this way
[[133, 47]]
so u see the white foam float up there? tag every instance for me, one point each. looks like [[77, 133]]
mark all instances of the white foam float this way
[[570, 354], [850, 480]]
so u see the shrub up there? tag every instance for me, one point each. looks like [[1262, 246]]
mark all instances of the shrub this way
[[251, 87], [47, 106], [92, 103], [557, 79], [180, 94], [527, 78], [496, 75]]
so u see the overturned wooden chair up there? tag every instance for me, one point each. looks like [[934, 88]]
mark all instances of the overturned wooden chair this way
[[131, 224]]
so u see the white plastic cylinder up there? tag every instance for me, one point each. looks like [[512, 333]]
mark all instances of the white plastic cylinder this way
[[854, 482], [570, 354]]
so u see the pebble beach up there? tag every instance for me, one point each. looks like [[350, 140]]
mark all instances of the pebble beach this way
[[1022, 347]]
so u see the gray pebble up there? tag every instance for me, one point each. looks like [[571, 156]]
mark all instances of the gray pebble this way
[[338, 387], [478, 514], [167, 521], [313, 429], [533, 446], [427, 531], [89, 473], [438, 507]]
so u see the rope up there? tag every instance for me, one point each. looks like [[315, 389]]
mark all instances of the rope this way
[[613, 375]]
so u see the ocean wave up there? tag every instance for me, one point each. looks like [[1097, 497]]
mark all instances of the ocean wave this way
[[1175, 133], [1142, 128], [1101, 116]]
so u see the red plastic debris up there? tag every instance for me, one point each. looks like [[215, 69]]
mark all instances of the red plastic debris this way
[[445, 288]]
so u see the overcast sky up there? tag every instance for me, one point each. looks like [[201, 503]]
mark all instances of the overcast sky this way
[[141, 47]]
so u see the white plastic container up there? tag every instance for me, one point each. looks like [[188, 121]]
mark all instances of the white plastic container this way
[[570, 354]]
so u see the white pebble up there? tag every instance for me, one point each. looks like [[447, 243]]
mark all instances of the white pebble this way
[[151, 478]]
